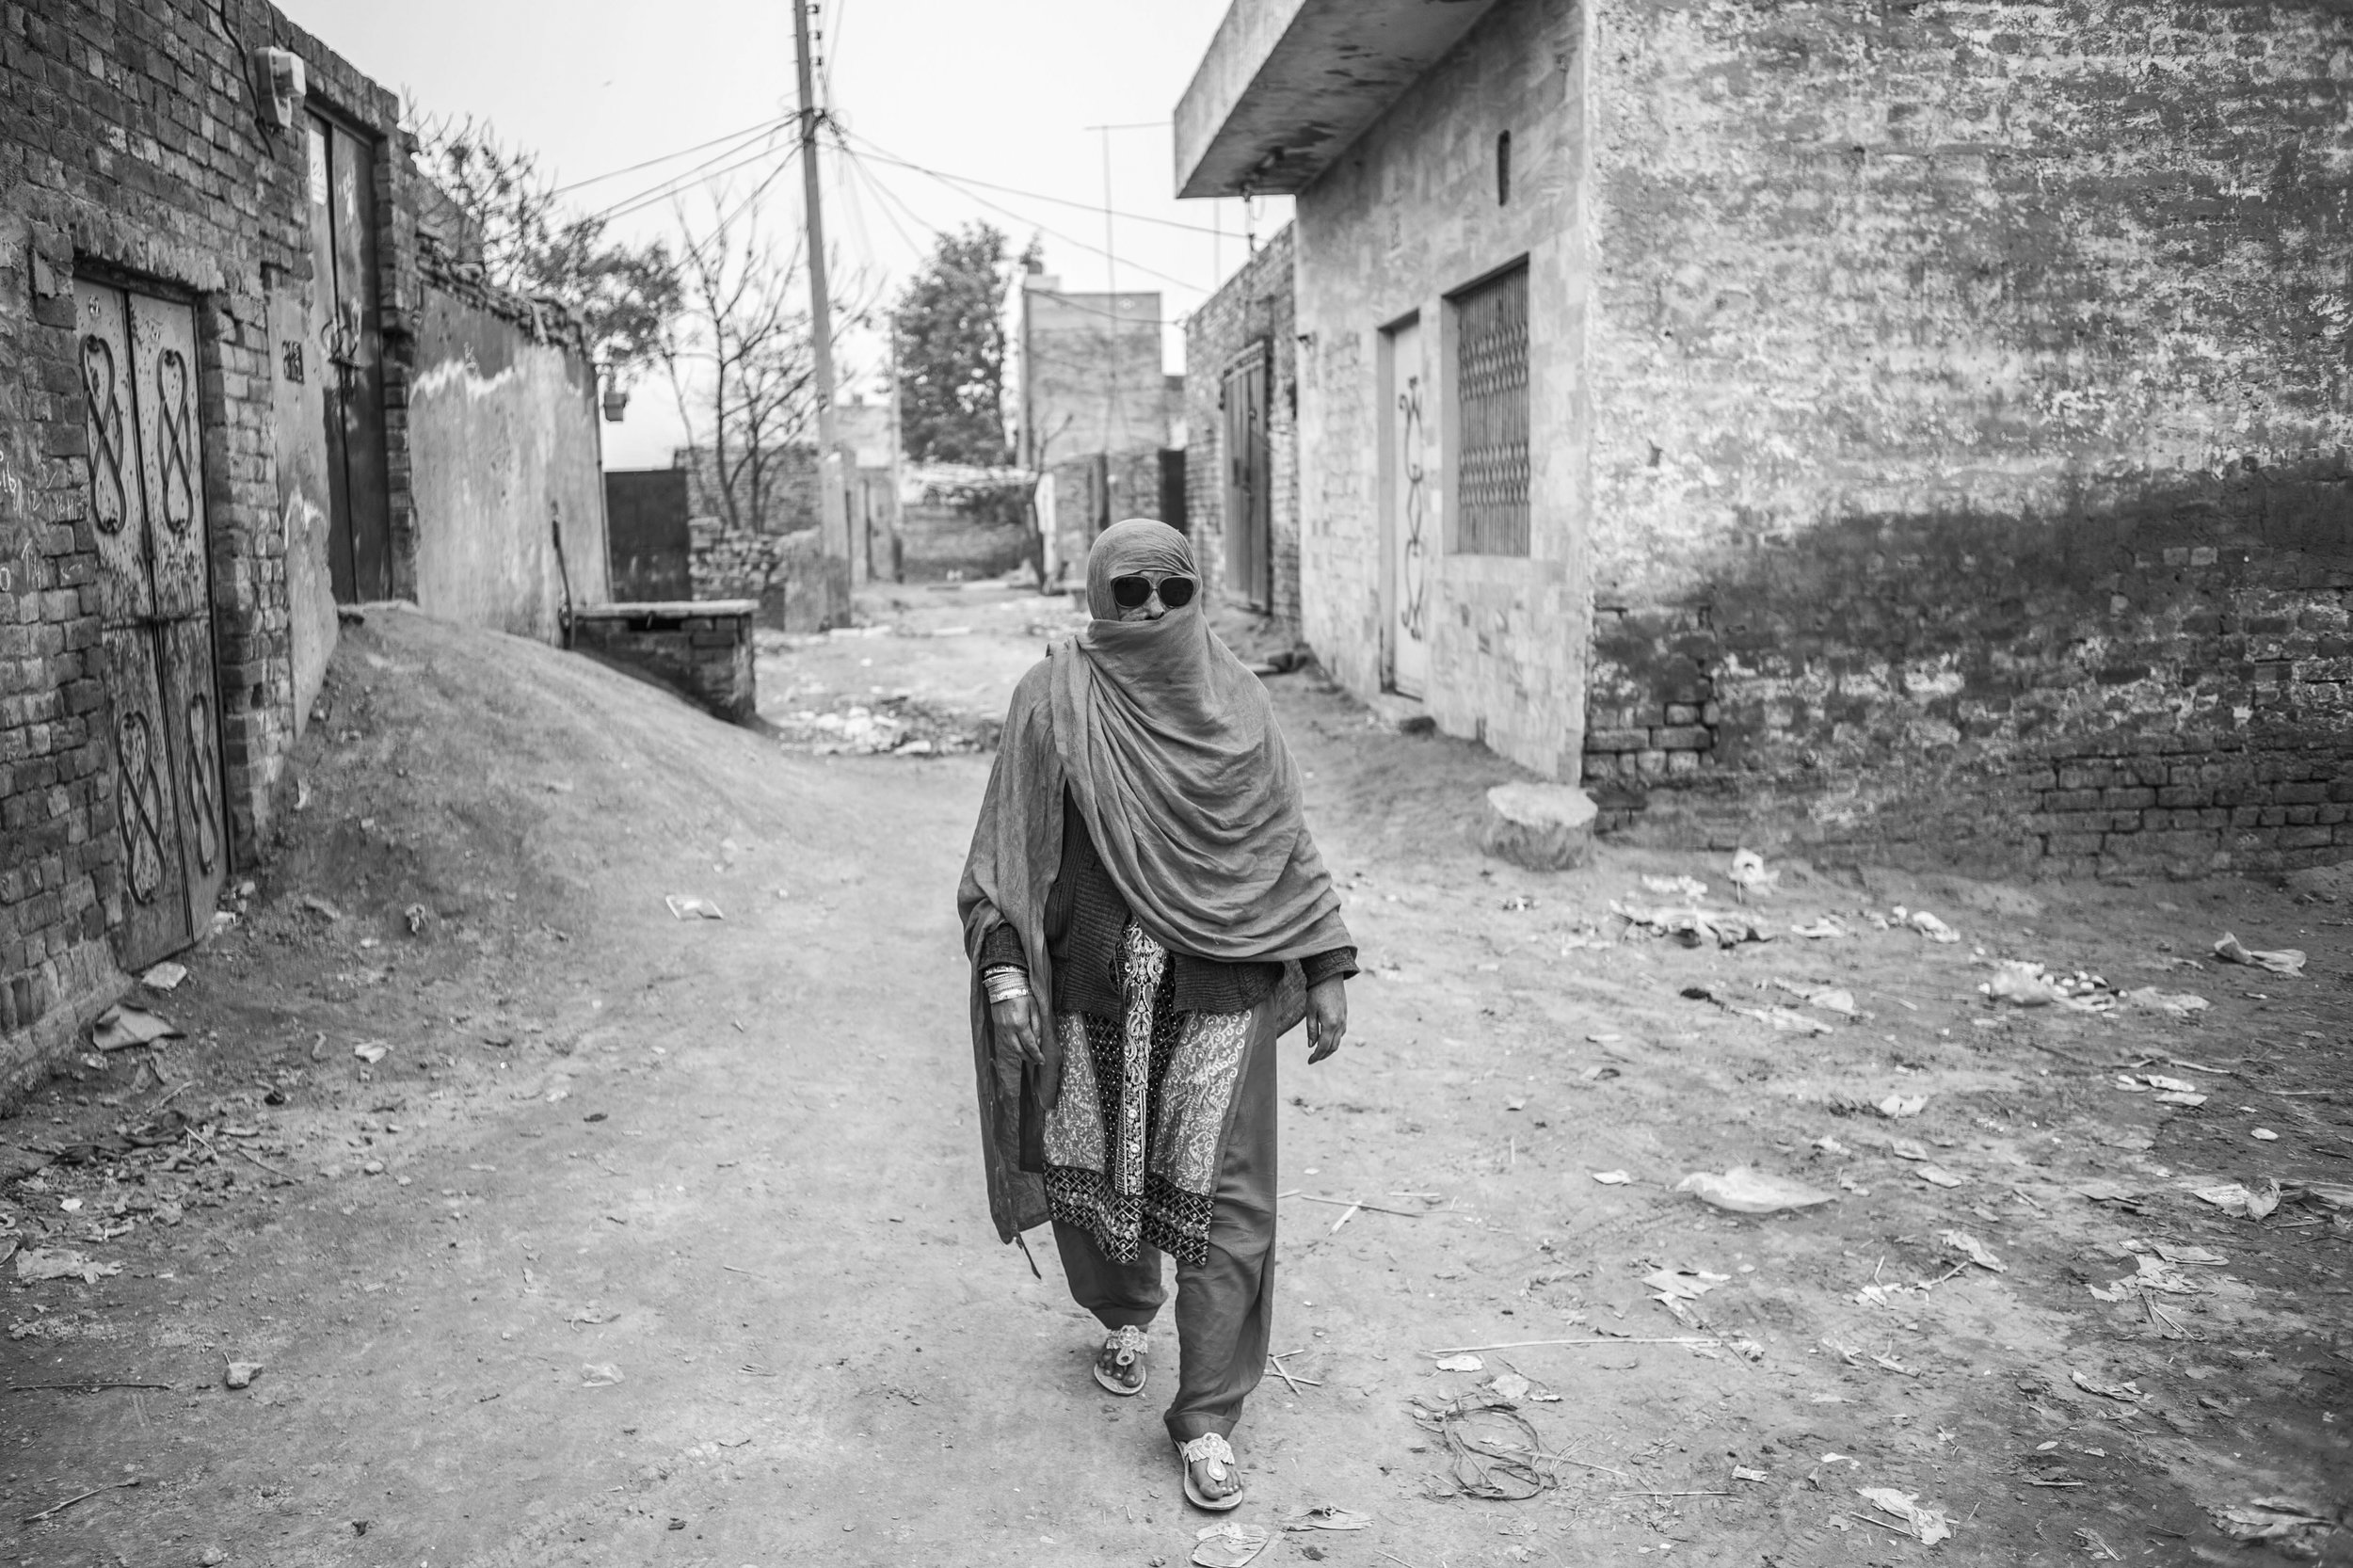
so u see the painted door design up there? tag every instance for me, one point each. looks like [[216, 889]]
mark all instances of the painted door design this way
[[347, 335], [1410, 525], [1249, 499], [147, 507]]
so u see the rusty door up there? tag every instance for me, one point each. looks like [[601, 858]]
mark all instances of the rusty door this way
[[1249, 498], [147, 507], [346, 329]]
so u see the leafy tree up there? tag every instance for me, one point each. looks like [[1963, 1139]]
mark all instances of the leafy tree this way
[[950, 339], [626, 294]]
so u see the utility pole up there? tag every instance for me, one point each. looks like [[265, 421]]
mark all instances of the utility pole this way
[[833, 518]]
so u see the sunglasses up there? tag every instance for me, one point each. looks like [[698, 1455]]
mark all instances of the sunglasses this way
[[1132, 593]]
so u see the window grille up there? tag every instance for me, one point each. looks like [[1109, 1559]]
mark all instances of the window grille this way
[[1490, 400]]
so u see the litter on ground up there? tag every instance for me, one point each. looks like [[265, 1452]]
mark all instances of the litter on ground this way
[[2287, 961], [1743, 1191]]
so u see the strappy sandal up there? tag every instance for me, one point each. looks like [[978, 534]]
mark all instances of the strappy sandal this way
[[1124, 1348], [1216, 1453]]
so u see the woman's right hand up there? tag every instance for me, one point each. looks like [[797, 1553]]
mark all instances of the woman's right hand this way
[[1018, 1019]]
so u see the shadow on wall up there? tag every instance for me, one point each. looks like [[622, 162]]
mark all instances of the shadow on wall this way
[[2158, 682]]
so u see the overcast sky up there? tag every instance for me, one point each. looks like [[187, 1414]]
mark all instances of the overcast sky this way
[[996, 93]]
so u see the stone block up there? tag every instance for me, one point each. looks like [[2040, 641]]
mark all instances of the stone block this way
[[1541, 827]]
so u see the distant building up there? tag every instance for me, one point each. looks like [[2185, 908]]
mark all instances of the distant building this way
[[1093, 409], [1913, 431]]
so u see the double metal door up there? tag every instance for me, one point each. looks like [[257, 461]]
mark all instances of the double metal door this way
[[147, 507], [346, 333]]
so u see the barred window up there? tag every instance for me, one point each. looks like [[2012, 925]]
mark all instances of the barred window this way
[[1491, 404]]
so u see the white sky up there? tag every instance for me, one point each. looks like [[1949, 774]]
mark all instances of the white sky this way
[[998, 93]]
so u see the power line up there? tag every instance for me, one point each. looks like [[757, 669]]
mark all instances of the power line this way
[[675, 186], [952, 183], [878, 155], [668, 157], [892, 197]]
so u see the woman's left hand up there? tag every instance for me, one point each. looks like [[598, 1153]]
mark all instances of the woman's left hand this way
[[1327, 1018]]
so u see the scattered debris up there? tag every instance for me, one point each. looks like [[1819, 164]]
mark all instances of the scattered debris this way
[[1326, 1517], [1460, 1364], [371, 1051], [1689, 1285], [166, 976], [1977, 1250], [1824, 929], [2127, 1393], [1929, 925], [1612, 1178], [1925, 1525], [1689, 924], [79, 1496], [2289, 1523], [2236, 1198], [416, 915], [1743, 1191], [1899, 1107], [120, 1028], [2286, 960], [599, 1374], [1937, 1175], [1750, 879], [1492, 1448], [1834, 999], [239, 1374], [1689, 886], [2264, 1135], [1228, 1544], [686, 907], [1742, 1472], [35, 1264], [2178, 1004], [320, 908], [2026, 984]]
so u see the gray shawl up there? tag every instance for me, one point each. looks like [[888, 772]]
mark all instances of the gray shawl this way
[[1169, 748]]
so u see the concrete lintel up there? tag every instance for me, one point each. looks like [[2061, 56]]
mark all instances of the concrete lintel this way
[[1288, 85], [668, 608]]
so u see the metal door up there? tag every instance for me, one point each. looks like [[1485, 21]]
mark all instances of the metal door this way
[[147, 507], [1410, 510], [1249, 503], [346, 330], [1490, 403]]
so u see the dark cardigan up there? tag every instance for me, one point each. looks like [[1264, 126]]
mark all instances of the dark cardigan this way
[[1085, 916]]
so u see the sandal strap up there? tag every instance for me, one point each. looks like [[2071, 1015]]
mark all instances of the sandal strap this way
[[1210, 1447], [1127, 1342]]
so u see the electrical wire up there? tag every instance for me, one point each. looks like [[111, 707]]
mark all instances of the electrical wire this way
[[890, 197], [1030, 222], [670, 157], [710, 169], [875, 153]]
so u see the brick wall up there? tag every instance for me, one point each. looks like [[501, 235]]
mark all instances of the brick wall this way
[[702, 650], [1255, 305], [1972, 452], [129, 147]]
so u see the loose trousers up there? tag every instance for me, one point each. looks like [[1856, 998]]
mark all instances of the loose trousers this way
[[1225, 1305]]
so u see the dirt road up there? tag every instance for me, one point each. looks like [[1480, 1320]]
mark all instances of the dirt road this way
[[660, 1240]]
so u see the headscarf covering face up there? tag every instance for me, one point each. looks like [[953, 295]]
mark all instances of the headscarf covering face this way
[[1173, 755]]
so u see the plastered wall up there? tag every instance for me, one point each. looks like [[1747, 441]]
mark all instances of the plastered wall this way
[[1406, 216], [502, 441]]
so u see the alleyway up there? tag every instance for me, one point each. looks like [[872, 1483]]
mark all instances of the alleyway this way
[[660, 1240]]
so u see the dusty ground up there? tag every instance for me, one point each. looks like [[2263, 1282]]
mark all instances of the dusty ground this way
[[653, 1241]]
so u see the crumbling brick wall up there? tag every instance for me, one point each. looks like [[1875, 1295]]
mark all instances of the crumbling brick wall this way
[[130, 148], [1257, 305], [1972, 453]]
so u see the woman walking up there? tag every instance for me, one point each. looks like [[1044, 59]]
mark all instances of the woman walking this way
[[1145, 914]]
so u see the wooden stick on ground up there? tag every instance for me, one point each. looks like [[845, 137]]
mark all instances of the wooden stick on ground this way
[[21, 1387], [79, 1496], [1524, 1344], [1352, 1203]]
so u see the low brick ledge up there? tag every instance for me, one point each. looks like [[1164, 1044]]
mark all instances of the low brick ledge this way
[[668, 609]]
